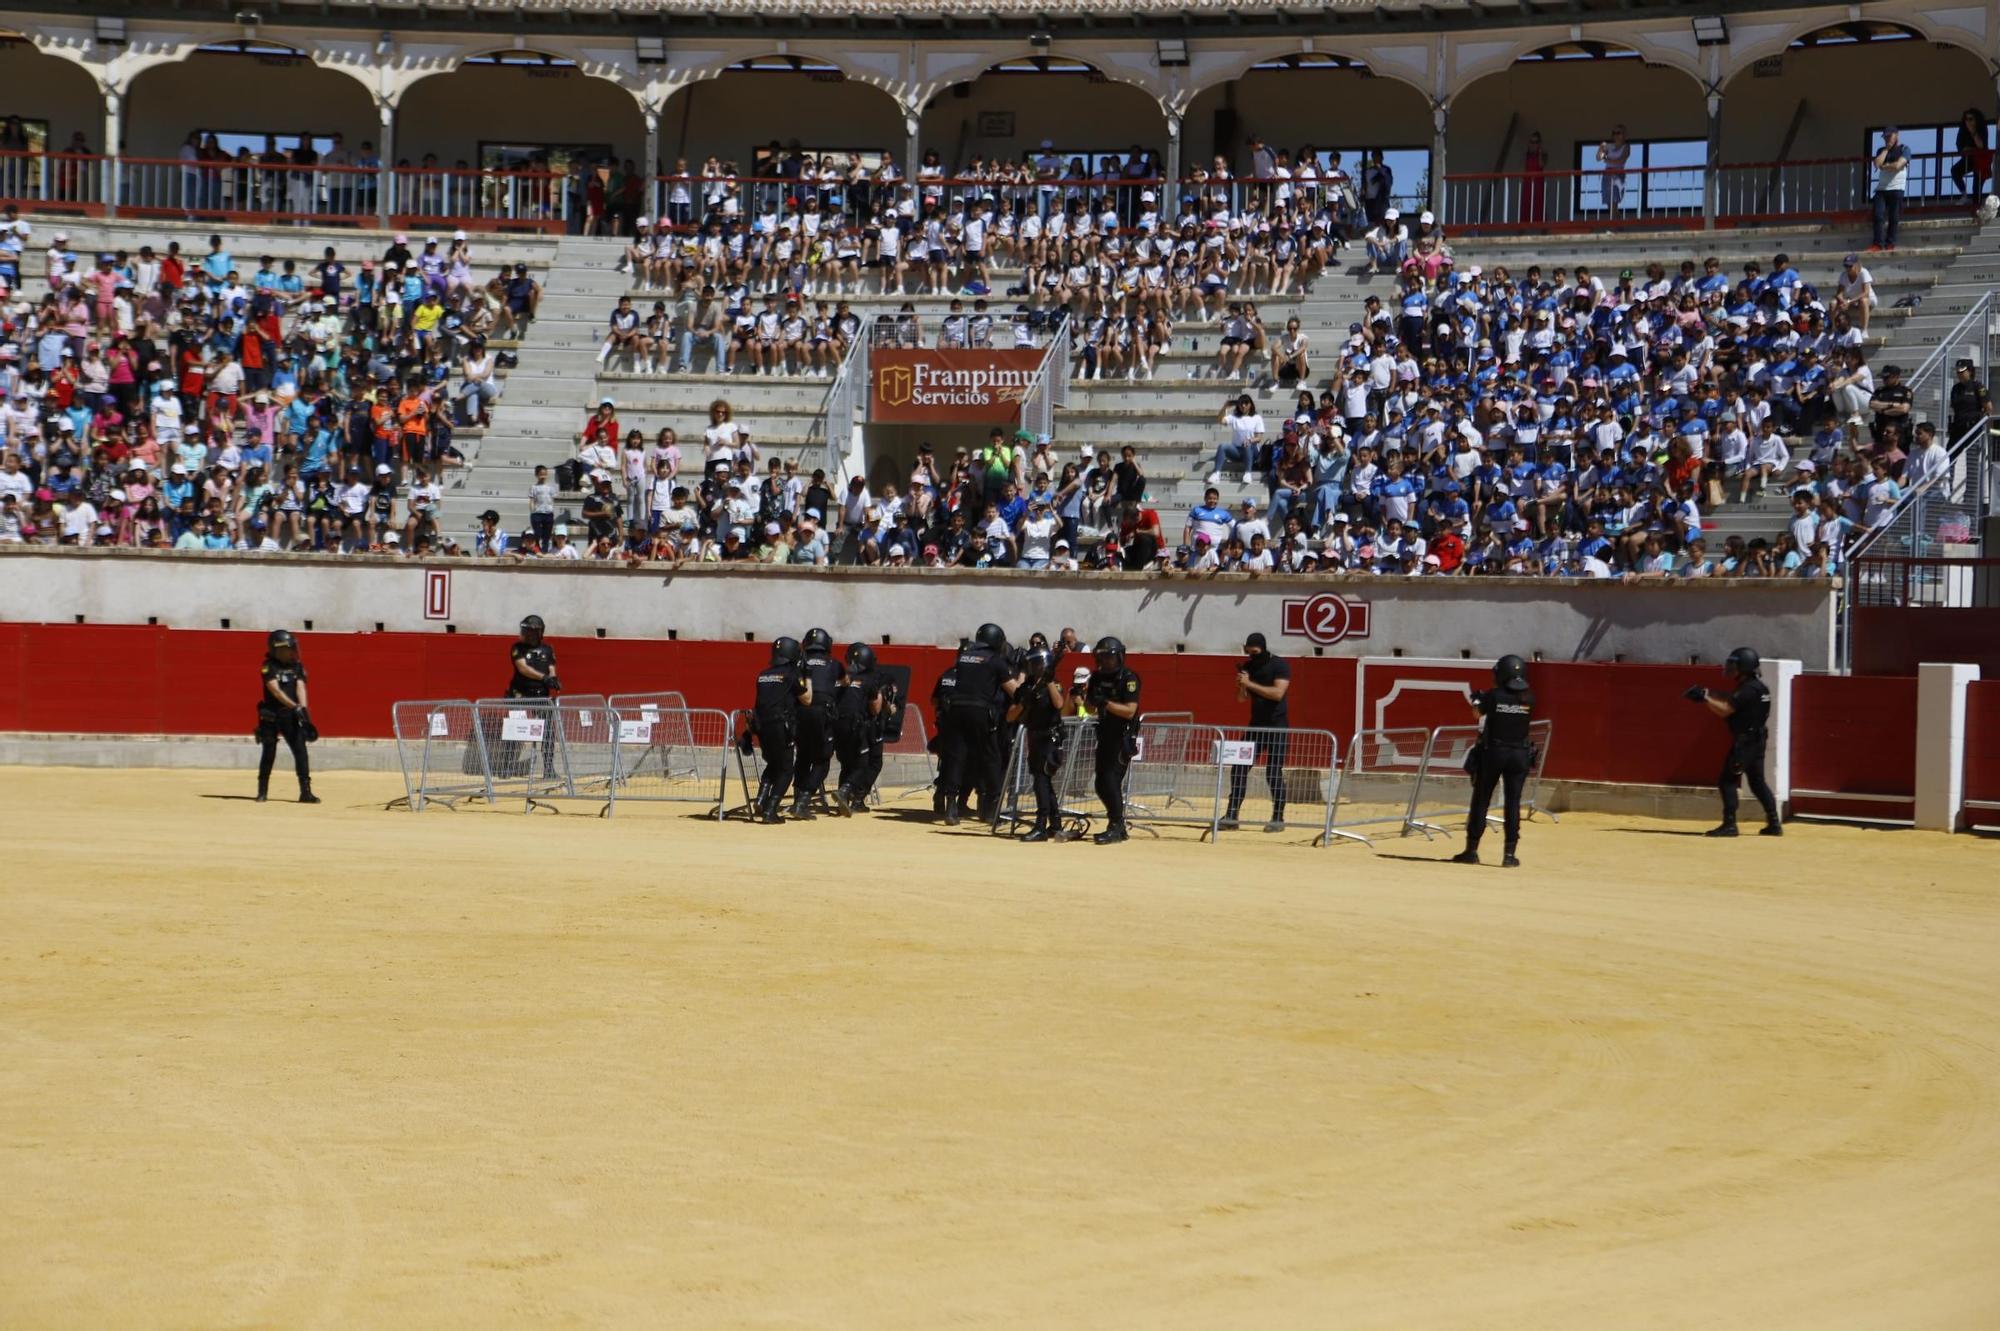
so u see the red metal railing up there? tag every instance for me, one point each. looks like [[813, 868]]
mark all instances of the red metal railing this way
[[72, 183], [689, 201], [482, 200], [246, 191]]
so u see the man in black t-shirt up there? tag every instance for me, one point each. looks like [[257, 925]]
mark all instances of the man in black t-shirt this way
[[1503, 757], [1265, 682], [1747, 709]]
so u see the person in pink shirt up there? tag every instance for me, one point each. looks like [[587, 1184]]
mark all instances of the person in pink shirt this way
[[103, 288], [260, 416]]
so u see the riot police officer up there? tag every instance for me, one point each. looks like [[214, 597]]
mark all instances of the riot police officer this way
[[863, 703], [281, 713], [1038, 710], [534, 665], [970, 724], [1265, 682], [782, 689], [1747, 708], [815, 752], [1114, 701], [1503, 757], [942, 693]]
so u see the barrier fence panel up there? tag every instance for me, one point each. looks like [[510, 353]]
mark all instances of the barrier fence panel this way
[[1176, 776], [1149, 784], [519, 738], [1442, 798], [749, 767], [438, 746], [1273, 776], [908, 765], [1014, 811], [666, 753], [1378, 785]]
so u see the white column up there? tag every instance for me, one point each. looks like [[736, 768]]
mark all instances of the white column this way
[[1778, 677], [1170, 192], [1440, 119], [912, 151], [113, 133], [1941, 744], [385, 180], [656, 199]]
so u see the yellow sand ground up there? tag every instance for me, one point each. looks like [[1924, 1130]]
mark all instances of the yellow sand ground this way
[[335, 1067]]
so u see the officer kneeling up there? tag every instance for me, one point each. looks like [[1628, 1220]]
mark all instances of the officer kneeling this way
[[1747, 708], [1114, 700], [782, 689], [863, 704], [1502, 757]]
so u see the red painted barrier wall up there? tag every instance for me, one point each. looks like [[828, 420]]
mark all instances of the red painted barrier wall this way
[[1623, 723], [1982, 750], [1856, 735]]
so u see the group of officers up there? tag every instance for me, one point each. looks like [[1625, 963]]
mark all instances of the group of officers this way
[[810, 709]]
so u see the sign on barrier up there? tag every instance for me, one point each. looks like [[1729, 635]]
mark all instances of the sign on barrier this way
[[1442, 798], [1301, 776], [666, 753], [438, 748]]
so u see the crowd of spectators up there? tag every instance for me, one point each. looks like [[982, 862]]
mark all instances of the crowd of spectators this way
[[168, 400]]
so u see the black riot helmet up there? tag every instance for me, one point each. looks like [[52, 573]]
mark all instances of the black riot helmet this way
[[1744, 661], [785, 651], [531, 629], [993, 636], [1510, 672], [860, 657], [818, 642], [1035, 665], [1110, 654], [280, 640]]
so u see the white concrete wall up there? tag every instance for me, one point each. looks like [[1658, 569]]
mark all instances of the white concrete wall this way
[[734, 114], [246, 95], [1570, 102], [1847, 90], [1438, 618], [1291, 108], [452, 114], [1078, 114], [34, 86]]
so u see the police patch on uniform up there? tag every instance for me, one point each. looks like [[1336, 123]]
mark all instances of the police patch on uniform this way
[[1131, 686]]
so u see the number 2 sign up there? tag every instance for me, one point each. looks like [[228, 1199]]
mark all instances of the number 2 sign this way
[[1326, 619]]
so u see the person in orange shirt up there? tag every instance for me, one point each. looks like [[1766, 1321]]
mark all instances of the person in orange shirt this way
[[413, 416], [382, 420]]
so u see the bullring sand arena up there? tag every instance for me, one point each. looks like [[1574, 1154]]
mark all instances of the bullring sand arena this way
[[337, 1067]]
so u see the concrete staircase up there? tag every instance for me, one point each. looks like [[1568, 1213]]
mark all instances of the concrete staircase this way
[[548, 395]]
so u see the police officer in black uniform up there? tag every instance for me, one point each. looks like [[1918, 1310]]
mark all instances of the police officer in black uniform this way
[[1113, 693], [862, 705], [1264, 681], [1038, 710], [815, 754], [970, 723], [534, 662], [942, 693], [1969, 402], [783, 688], [1747, 708], [1503, 756], [281, 713]]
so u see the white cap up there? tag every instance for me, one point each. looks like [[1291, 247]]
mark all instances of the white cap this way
[[1392, 214], [562, 529], [392, 538], [895, 550], [644, 221], [458, 235], [381, 469], [1427, 219], [1081, 674]]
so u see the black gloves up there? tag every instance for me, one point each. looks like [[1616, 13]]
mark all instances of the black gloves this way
[[1696, 694], [307, 730]]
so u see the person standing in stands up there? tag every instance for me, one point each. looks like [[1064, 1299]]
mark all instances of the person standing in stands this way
[[1747, 709], [281, 713], [1892, 173], [1264, 681], [1502, 757]]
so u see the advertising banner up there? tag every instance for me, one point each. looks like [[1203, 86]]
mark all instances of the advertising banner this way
[[930, 386]]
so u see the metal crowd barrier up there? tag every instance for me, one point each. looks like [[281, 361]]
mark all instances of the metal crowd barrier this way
[[662, 753], [1301, 771], [1154, 784], [543, 749], [908, 764], [1442, 796], [1378, 784], [439, 750]]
